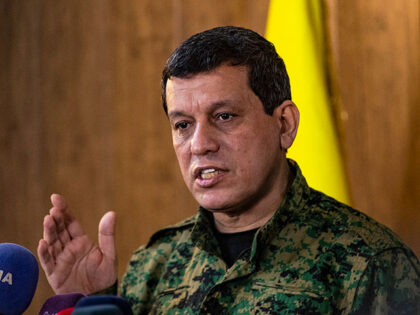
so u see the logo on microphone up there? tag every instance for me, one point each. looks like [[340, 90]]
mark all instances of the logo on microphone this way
[[7, 277]]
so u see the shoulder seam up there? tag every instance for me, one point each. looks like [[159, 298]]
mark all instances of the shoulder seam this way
[[178, 226]]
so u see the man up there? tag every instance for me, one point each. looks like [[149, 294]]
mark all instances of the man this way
[[262, 241]]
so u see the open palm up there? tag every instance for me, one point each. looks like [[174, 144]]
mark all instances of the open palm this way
[[71, 261]]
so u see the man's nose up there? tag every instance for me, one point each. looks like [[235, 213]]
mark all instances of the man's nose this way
[[204, 140]]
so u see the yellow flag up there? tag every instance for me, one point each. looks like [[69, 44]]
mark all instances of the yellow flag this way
[[295, 28]]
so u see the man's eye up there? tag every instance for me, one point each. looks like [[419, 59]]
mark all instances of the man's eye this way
[[181, 125], [224, 116]]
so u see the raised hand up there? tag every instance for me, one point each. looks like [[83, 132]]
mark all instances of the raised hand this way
[[71, 261]]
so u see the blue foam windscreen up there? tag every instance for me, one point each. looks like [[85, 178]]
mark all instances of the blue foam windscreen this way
[[18, 278]]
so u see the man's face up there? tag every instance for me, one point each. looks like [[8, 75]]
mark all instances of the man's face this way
[[227, 147]]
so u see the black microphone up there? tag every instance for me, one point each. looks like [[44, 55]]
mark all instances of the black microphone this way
[[18, 278], [103, 309], [102, 304]]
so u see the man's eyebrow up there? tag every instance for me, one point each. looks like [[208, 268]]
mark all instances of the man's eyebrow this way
[[176, 113], [219, 104], [212, 107]]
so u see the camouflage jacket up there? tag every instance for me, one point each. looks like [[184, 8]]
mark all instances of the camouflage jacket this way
[[314, 256]]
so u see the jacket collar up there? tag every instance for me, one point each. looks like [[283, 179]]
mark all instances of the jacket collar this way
[[203, 231]]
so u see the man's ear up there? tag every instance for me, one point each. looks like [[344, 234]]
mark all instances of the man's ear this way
[[287, 115]]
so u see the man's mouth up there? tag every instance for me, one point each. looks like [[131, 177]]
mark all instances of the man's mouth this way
[[208, 173], [209, 176]]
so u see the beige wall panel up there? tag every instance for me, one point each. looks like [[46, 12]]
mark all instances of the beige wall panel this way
[[195, 16], [81, 113], [376, 55]]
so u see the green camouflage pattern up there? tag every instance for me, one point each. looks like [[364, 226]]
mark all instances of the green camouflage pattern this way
[[314, 256]]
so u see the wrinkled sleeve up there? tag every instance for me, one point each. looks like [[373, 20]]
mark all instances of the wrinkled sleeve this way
[[144, 272], [139, 280], [389, 285]]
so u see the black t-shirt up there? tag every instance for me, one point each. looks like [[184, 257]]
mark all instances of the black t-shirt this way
[[233, 244]]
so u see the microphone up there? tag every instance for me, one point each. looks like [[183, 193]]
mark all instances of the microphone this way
[[18, 278], [102, 304], [67, 311], [60, 302], [104, 309]]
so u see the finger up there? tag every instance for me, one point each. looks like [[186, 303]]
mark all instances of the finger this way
[[74, 228], [58, 201], [61, 221], [67, 226], [106, 235], [47, 262], [50, 236], [50, 230], [60, 216]]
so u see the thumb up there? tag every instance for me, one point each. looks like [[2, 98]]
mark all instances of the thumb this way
[[106, 236]]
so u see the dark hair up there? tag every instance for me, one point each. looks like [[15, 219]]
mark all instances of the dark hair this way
[[267, 75]]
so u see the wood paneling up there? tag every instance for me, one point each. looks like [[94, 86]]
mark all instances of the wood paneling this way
[[80, 113], [376, 61]]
